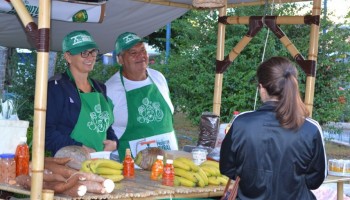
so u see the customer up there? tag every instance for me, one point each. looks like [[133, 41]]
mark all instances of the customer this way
[[78, 109], [142, 105], [277, 151]]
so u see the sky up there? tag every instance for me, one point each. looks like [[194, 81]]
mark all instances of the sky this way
[[338, 8]]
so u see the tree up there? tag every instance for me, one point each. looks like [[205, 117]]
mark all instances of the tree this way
[[191, 67]]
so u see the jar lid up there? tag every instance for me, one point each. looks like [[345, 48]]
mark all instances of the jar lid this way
[[169, 161], [7, 155]]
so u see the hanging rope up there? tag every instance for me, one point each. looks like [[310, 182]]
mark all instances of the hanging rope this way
[[265, 44]]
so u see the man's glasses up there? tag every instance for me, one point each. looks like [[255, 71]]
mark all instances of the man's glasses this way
[[86, 53]]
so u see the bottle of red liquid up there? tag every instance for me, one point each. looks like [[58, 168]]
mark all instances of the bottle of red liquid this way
[[128, 165], [157, 168], [22, 157], [168, 173]]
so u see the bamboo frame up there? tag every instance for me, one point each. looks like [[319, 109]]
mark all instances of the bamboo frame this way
[[256, 23], [40, 39]]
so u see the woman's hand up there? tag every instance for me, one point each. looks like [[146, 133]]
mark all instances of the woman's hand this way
[[110, 145]]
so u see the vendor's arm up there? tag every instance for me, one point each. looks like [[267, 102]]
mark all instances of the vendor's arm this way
[[111, 143], [61, 116]]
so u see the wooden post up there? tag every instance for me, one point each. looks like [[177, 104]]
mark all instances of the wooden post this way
[[313, 51], [219, 56], [40, 99]]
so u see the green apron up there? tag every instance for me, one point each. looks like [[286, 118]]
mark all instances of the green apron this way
[[150, 121], [95, 117]]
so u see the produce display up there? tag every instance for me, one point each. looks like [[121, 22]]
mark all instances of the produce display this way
[[106, 168], [190, 175]]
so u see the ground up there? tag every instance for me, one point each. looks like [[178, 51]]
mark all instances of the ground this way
[[187, 134]]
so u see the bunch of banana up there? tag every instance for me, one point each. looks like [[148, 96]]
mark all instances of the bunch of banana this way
[[189, 174], [104, 167], [212, 171]]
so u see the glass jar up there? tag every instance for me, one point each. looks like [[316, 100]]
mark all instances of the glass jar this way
[[7, 168], [199, 155]]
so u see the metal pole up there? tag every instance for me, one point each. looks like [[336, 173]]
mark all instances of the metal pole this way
[[167, 44]]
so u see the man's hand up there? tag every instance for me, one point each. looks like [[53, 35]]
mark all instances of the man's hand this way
[[110, 145]]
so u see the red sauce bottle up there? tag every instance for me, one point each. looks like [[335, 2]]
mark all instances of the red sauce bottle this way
[[22, 157], [128, 165], [157, 168], [168, 173]]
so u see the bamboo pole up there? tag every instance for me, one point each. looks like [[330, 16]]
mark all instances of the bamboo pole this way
[[279, 20], [219, 56], [313, 51], [40, 100]]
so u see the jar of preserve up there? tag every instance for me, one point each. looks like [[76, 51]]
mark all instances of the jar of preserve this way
[[7, 168]]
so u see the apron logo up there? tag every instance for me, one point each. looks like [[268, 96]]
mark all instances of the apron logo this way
[[99, 120], [149, 112]]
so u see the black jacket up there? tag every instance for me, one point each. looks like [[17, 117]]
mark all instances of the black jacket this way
[[63, 108], [273, 163]]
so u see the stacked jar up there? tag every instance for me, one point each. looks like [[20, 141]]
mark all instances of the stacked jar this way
[[7, 168]]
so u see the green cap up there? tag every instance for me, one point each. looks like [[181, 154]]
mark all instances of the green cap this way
[[77, 42], [125, 41]]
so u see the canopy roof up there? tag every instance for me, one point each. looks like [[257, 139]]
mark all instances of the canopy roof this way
[[142, 17]]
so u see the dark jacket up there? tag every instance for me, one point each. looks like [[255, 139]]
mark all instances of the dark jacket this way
[[63, 108], [273, 163]]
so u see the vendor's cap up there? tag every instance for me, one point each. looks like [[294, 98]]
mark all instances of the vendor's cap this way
[[125, 41], [77, 42]]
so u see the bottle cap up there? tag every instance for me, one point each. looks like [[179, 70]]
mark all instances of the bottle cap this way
[[236, 112], [160, 157], [23, 139], [169, 161]]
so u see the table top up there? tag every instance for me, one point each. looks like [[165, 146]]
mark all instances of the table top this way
[[335, 179], [142, 187]]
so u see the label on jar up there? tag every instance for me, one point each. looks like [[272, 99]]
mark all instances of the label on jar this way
[[199, 156]]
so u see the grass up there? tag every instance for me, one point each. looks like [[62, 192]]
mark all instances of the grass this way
[[187, 134]]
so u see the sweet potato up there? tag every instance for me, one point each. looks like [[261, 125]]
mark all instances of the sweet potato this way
[[53, 177], [61, 186], [92, 177], [76, 191], [55, 168], [93, 187], [60, 161]]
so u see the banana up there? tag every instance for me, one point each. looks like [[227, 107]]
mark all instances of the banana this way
[[85, 166], [176, 181], [213, 180], [185, 182], [211, 163], [179, 164], [113, 177], [213, 170], [200, 182], [203, 175], [108, 171], [222, 180], [105, 163], [189, 162], [208, 170], [185, 174]]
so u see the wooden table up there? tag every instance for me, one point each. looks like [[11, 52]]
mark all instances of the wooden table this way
[[142, 187], [340, 184]]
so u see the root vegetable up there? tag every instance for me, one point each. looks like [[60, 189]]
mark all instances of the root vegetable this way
[[53, 177], [61, 186], [93, 187], [109, 185], [76, 191], [65, 171], [60, 161], [92, 177]]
